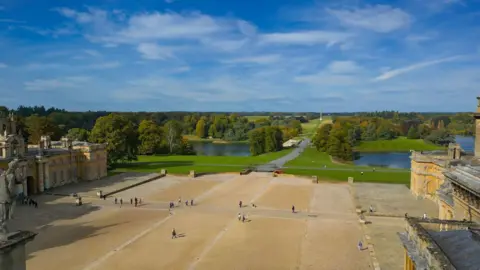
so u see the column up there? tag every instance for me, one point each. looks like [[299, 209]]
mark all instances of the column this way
[[47, 175], [40, 177], [24, 180]]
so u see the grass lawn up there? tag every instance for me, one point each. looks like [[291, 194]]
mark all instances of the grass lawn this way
[[201, 164], [311, 162], [253, 118], [401, 144], [391, 177], [309, 128]]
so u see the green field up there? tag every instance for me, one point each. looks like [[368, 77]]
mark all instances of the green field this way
[[201, 164], [309, 128], [253, 118], [400, 144], [311, 162]]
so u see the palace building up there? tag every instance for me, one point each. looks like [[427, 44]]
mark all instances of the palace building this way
[[51, 163], [452, 180]]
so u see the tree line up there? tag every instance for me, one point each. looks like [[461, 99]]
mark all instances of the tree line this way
[[340, 138]]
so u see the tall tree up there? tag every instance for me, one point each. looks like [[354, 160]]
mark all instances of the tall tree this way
[[150, 136], [119, 134], [321, 137], [200, 128], [413, 133], [273, 139], [173, 134], [256, 139], [38, 126]]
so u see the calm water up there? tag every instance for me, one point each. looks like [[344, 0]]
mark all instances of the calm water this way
[[221, 149], [402, 160]]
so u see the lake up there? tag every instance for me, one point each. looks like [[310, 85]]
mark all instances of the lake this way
[[402, 160], [221, 149]]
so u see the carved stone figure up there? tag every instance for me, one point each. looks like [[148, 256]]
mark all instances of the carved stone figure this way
[[8, 180]]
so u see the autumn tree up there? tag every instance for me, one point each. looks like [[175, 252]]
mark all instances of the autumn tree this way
[[321, 137], [200, 128], [256, 139], [120, 136]]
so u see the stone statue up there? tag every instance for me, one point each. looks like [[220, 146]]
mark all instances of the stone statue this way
[[8, 180]]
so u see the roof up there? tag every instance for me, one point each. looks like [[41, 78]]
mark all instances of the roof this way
[[466, 176], [462, 247]]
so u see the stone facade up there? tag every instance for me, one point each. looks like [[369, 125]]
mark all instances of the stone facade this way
[[51, 163], [450, 178]]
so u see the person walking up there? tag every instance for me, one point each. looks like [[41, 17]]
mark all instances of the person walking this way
[[360, 245], [191, 202], [136, 201], [174, 233], [240, 204], [239, 216], [293, 208], [131, 201], [121, 202], [116, 200]]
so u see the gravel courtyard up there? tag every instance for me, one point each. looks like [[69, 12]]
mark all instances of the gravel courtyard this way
[[322, 234]]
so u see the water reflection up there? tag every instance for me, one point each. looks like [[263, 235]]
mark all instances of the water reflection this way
[[402, 160], [221, 149]]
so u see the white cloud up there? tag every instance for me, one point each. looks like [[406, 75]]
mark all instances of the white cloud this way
[[262, 59], [154, 52], [92, 53], [105, 65], [395, 72], [340, 67], [306, 38], [379, 18], [54, 84], [247, 28], [3, 65]]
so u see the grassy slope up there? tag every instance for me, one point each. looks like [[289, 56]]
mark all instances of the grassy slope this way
[[309, 129], [400, 144], [311, 160], [253, 118], [202, 164]]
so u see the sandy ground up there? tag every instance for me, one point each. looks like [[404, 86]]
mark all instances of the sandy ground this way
[[391, 199], [284, 196], [388, 248], [101, 235], [186, 190], [72, 244]]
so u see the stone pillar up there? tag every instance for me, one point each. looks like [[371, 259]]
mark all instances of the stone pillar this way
[[47, 184], [12, 250], [40, 177]]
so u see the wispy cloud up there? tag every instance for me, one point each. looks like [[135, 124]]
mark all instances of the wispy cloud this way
[[262, 59], [105, 65], [54, 84], [395, 72], [3, 65], [379, 18], [306, 38], [343, 67], [153, 51]]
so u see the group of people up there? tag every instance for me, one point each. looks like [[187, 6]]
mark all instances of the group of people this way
[[30, 202], [134, 201], [172, 204]]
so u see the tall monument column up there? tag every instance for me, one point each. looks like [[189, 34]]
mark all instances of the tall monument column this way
[[477, 129]]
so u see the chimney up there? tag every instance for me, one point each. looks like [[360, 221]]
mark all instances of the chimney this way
[[477, 129]]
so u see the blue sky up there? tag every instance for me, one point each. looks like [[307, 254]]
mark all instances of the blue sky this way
[[262, 55]]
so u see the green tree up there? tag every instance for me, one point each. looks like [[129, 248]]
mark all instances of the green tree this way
[[440, 137], [173, 135], [273, 139], [338, 145], [321, 137], [256, 139], [38, 126], [424, 130], [78, 134], [413, 133], [119, 134], [370, 133], [151, 137], [200, 128]]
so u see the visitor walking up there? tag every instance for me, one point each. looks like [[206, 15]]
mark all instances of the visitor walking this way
[[240, 204], [121, 202], [116, 200], [136, 201], [191, 202], [239, 216], [360, 245], [174, 233], [293, 208], [425, 216], [131, 201]]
